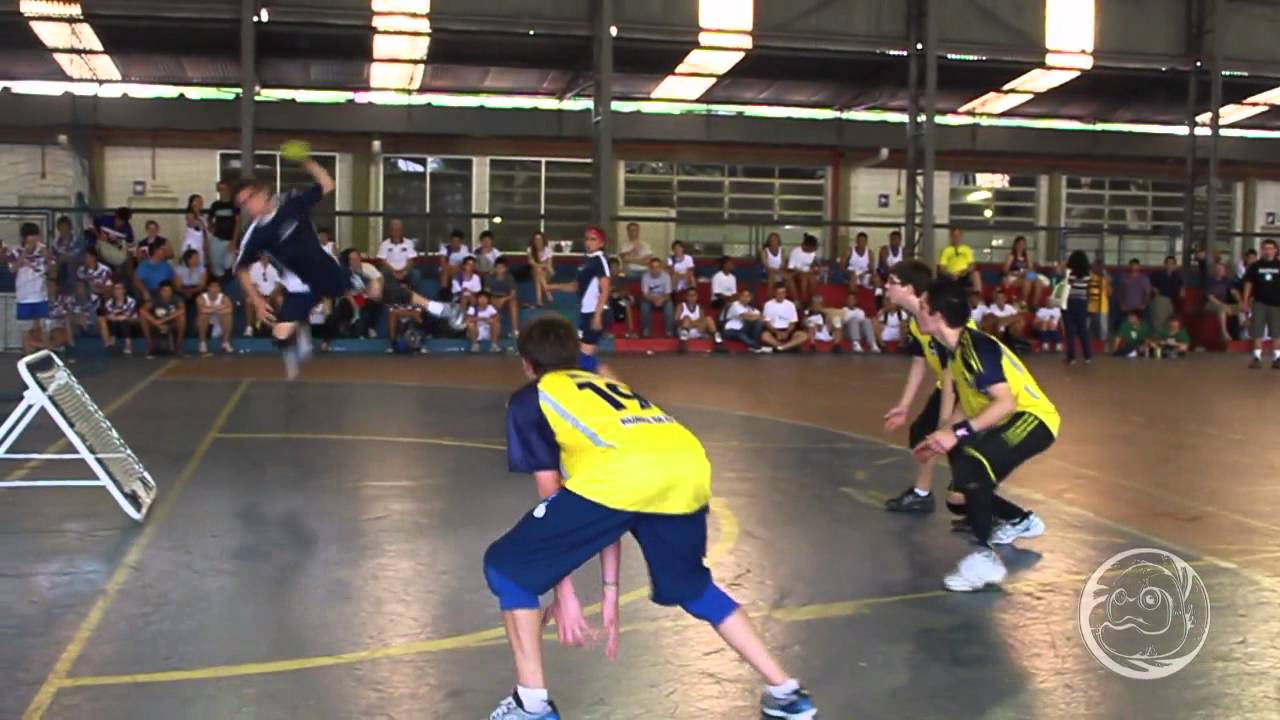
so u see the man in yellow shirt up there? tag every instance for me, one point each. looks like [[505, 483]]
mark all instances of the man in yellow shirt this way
[[1005, 420], [606, 462], [957, 261]]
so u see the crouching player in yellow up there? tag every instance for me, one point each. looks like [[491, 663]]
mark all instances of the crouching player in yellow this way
[[606, 462]]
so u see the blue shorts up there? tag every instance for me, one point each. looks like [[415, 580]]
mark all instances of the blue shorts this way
[[33, 310], [587, 335], [566, 530], [296, 307]]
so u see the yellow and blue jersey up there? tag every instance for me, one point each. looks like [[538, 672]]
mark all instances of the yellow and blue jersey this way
[[610, 445], [922, 345], [979, 362]]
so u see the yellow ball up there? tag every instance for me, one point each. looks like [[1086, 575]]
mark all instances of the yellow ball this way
[[296, 150]]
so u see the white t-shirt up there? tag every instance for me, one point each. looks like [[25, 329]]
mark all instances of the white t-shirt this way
[[127, 309], [30, 285], [891, 325], [265, 277], [193, 239], [213, 303], [772, 260], [482, 316], [979, 311], [397, 255], [733, 317], [680, 266], [724, 284], [856, 314], [486, 258], [780, 314], [455, 257], [801, 260], [817, 322], [461, 285], [859, 264], [1002, 311], [1049, 314], [693, 313], [638, 253]]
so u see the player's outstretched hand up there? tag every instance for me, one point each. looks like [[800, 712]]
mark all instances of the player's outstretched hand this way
[[264, 310], [611, 614], [895, 418], [571, 624], [939, 443]]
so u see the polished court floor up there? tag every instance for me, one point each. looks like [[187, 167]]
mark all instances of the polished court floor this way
[[315, 549]]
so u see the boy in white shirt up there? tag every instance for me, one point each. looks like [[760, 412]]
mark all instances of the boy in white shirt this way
[[1002, 317], [781, 321], [724, 285], [483, 323], [213, 310], [1049, 328], [801, 271], [486, 254], [857, 263], [30, 266], [742, 322], [819, 327], [891, 321], [692, 322], [266, 280], [859, 328], [681, 266], [451, 256], [397, 251]]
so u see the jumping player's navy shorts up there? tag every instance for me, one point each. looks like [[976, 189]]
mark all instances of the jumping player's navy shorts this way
[[297, 307], [566, 530], [586, 333]]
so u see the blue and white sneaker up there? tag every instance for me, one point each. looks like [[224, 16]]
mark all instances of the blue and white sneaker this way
[[796, 706], [509, 709], [1030, 526]]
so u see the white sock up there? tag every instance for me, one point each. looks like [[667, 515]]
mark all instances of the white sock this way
[[533, 700], [921, 493], [1275, 354], [1257, 353], [785, 690]]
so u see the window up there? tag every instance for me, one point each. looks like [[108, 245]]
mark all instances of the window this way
[[529, 195], [434, 194], [995, 208], [286, 176]]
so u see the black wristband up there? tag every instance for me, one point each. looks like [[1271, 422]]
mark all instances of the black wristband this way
[[963, 430]]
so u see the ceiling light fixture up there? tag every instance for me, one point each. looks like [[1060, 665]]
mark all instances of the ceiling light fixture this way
[[61, 27], [722, 43], [401, 41]]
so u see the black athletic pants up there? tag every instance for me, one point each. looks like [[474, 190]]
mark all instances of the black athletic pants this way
[[982, 462]]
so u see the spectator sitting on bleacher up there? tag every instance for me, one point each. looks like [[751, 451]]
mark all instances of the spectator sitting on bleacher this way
[[636, 254], [656, 293], [266, 279], [95, 274], [782, 330], [1131, 336], [820, 328], [191, 276], [1172, 342], [84, 312], [452, 254], [1049, 328], [1020, 277], [856, 326], [890, 322], [1099, 308], [724, 285], [1250, 257], [1135, 290], [57, 327], [1169, 292], [114, 235], [66, 253], [1002, 318], [772, 260], [742, 322], [501, 286], [213, 316], [541, 268], [119, 319], [163, 318], [30, 265], [802, 265], [486, 254], [151, 240], [465, 284], [356, 313], [977, 308], [483, 323], [1221, 299], [890, 255], [1011, 286], [152, 273], [621, 304], [694, 323], [857, 263], [397, 252], [958, 261], [681, 267]]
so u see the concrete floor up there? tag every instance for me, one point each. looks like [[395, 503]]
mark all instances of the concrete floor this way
[[315, 551]]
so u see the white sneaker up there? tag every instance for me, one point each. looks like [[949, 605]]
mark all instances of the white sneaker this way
[[766, 349], [1029, 527], [875, 349], [684, 335], [978, 569], [857, 346], [1132, 354], [204, 348], [226, 347], [248, 331]]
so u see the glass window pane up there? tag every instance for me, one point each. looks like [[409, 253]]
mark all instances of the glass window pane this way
[[515, 191], [568, 193], [701, 170], [450, 201], [404, 190]]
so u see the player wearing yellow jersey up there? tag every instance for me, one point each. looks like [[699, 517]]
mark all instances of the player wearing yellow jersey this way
[[606, 462], [907, 281], [1005, 419]]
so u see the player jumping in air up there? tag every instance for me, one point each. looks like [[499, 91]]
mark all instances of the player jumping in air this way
[[628, 467], [592, 287], [281, 228], [1005, 419]]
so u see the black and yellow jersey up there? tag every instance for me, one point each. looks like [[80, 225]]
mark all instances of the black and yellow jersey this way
[[979, 362]]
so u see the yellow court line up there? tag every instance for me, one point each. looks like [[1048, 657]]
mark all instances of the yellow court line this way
[[57, 677], [361, 438], [109, 408]]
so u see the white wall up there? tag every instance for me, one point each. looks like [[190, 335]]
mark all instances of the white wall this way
[[1268, 203], [866, 186], [26, 181]]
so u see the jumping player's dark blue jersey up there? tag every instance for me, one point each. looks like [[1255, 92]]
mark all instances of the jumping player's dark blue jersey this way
[[289, 237], [594, 267]]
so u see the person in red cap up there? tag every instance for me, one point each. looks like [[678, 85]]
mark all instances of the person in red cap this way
[[592, 287]]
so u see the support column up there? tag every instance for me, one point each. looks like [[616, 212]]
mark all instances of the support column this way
[[604, 179], [928, 247], [1215, 100], [1194, 45], [248, 84], [910, 237]]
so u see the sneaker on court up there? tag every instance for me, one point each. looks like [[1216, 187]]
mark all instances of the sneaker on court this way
[[978, 569], [1028, 527], [509, 709], [910, 501], [796, 706], [1255, 363], [204, 348]]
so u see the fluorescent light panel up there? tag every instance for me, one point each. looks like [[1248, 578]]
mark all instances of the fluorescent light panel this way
[[50, 9], [401, 41], [725, 38], [732, 15], [682, 87], [75, 46], [995, 103], [1069, 26], [715, 39], [88, 67], [57, 35], [1233, 113], [1040, 80]]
